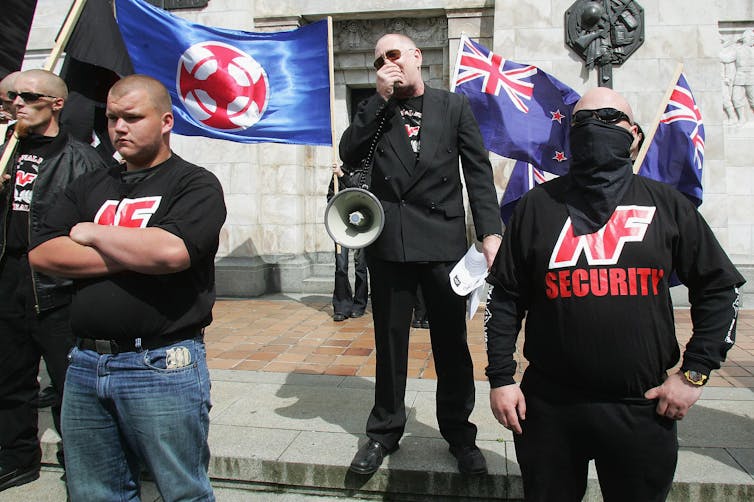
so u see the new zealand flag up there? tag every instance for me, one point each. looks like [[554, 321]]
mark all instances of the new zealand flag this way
[[676, 154], [523, 113], [230, 84]]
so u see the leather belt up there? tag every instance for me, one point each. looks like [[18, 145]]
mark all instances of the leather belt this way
[[126, 345]]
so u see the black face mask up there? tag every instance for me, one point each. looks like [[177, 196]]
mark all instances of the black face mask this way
[[600, 173]]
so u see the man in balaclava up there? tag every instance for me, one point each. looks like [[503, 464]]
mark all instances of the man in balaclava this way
[[587, 258]]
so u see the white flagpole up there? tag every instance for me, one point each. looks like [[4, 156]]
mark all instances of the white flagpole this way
[[331, 65]]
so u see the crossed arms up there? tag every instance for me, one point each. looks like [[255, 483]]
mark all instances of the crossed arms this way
[[92, 250]]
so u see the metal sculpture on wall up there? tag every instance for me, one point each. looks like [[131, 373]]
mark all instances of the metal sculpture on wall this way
[[604, 33]]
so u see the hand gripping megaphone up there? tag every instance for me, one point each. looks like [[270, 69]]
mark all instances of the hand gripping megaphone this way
[[354, 218]]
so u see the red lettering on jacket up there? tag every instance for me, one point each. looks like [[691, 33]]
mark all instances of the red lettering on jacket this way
[[603, 247]]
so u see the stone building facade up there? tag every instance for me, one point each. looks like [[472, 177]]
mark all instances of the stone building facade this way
[[274, 238]]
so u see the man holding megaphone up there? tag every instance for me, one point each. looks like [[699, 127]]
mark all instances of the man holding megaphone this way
[[420, 134]]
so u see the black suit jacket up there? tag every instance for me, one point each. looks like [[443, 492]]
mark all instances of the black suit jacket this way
[[423, 200]]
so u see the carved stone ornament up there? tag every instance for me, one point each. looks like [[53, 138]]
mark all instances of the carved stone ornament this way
[[179, 4], [362, 35], [604, 33]]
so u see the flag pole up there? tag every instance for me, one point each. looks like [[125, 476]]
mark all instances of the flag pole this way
[[650, 134], [331, 68], [60, 42]]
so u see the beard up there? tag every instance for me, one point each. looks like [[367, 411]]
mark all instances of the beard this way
[[23, 128]]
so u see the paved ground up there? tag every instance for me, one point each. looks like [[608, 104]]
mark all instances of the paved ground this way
[[291, 390], [298, 335]]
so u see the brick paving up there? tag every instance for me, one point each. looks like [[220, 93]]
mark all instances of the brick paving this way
[[292, 336]]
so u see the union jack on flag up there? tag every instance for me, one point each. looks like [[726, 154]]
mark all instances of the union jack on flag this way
[[475, 64], [676, 154], [523, 178], [530, 120]]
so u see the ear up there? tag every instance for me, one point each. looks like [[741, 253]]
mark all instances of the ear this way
[[167, 120], [58, 104], [418, 56]]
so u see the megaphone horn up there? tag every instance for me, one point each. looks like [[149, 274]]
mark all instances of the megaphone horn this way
[[354, 218]]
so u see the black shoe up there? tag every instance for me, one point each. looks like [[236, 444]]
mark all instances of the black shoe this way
[[47, 397], [369, 457], [355, 314], [338, 317], [470, 459], [425, 324], [10, 477], [416, 324]]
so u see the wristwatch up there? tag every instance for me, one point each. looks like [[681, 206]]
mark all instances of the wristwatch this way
[[695, 377]]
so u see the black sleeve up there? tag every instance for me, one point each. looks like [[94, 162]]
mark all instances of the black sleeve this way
[[64, 214], [357, 138], [196, 213], [477, 174], [502, 324], [713, 282], [506, 304], [714, 314]]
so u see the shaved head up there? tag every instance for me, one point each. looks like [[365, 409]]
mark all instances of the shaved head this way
[[8, 83], [41, 81], [157, 93], [603, 97]]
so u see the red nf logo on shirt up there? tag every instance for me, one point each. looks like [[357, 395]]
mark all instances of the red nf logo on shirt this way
[[603, 247], [133, 213], [23, 179]]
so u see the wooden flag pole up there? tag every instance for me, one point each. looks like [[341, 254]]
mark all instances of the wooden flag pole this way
[[60, 42], [650, 134], [334, 150]]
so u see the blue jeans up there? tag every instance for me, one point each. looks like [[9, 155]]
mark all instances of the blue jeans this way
[[134, 409]]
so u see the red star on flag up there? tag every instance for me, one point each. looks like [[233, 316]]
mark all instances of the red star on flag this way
[[559, 156], [556, 115]]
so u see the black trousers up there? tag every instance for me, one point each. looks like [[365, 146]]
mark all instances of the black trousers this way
[[634, 450], [344, 300], [24, 338], [393, 294]]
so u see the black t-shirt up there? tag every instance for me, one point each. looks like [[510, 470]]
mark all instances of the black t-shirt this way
[[32, 151], [599, 314], [176, 196], [411, 112]]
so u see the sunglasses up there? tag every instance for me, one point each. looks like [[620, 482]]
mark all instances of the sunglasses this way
[[606, 115], [28, 97], [392, 55]]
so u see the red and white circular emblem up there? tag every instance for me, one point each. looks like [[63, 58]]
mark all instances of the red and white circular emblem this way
[[221, 86]]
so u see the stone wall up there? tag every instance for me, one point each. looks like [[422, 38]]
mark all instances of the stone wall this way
[[274, 237]]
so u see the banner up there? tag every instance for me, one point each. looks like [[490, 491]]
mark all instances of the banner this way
[[230, 84], [15, 23], [523, 112], [676, 154]]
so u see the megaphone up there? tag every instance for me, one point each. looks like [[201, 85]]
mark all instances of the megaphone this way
[[354, 218]]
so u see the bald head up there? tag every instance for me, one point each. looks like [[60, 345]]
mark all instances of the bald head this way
[[43, 82], [8, 83], [157, 93], [603, 97], [7, 108]]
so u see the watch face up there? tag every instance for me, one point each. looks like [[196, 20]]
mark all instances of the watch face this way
[[695, 377]]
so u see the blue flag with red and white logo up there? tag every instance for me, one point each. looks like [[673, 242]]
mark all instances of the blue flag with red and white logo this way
[[232, 84], [676, 154], [523, 113]]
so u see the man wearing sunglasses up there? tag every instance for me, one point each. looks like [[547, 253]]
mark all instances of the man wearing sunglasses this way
[[587, 258], [34, 311], [421, 133]]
